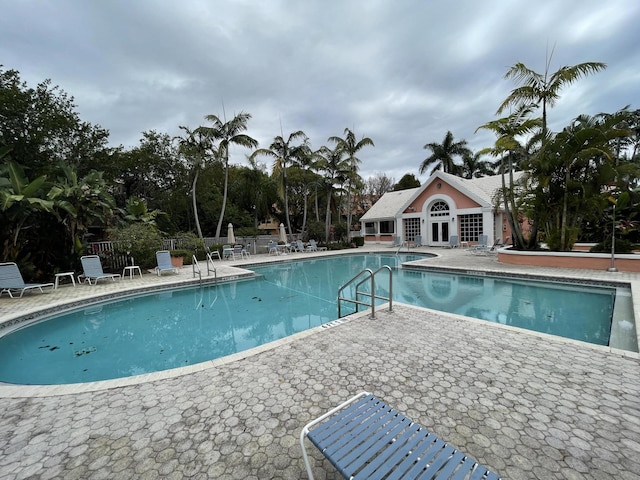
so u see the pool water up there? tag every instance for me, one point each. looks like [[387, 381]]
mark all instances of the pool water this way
[[186, 326]]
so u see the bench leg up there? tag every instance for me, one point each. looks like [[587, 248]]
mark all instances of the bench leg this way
[[305, 429]]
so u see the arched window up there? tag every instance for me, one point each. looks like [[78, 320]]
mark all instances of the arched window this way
[[439, 209]]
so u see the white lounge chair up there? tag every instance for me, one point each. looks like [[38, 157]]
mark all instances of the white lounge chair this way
[[273, 248], [11, 281], [92, 270], [163, 258], [313, 246]]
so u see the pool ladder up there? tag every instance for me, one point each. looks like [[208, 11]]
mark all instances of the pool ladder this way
[[195, 267], [369, 276]]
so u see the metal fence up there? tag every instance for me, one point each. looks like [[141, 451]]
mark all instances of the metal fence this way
[[117, 261]]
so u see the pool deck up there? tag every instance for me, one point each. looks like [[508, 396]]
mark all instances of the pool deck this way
[[524, 404]]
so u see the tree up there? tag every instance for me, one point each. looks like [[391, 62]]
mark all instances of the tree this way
[[227, 134], [285, 152], [510, 151], [43, 128], [257, 191], [442, 155], [196, 146], [474, 167], [407, 181], [378, 185], [581, 160], [350, 147], [542, 90], [80, 203], [331, 162], [20, 199]]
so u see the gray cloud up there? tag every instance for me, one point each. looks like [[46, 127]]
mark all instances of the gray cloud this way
[[402, 73]]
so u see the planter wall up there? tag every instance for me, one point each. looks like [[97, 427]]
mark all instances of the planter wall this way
[[590, 261]]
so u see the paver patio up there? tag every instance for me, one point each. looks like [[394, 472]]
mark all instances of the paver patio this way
[[525, 405]]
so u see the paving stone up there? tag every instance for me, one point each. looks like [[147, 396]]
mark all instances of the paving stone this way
[[525, 405]]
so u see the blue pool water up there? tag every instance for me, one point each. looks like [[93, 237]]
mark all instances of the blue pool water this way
[[187, 326]]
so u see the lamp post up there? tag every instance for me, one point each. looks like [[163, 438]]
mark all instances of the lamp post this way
[[613, 268]]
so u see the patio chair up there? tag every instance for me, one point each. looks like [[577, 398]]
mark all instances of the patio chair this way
[[163, 257], [213, 253], [313, 246], [481, 246], [397, 241], [366, 438], [11, 281], [92, 270], [453, 242], [240, 251], [485, 250], [300, 246], [227, 252], [273, 248]]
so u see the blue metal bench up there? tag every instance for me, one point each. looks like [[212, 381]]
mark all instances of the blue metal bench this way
[[364, 438]]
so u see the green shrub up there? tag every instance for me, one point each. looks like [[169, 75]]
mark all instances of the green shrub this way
[[621, 246], [139, 240], [315, 231], [359, 241]]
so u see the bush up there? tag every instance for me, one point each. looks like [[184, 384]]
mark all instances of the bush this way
[[316, 231], [140, 241], [621, 246], [189, 241], [359, 241]]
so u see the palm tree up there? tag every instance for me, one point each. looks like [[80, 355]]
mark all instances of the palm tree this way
[[227, 133], [442, 155], [474, 167], [284, 154], [583, 159], [195, 145], [334, 167], [508, 148], [350, 147], [544, 89]]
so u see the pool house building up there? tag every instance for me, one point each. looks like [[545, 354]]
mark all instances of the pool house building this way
[[443, 207]]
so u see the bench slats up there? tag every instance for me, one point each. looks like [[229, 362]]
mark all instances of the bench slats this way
[[369, 439]]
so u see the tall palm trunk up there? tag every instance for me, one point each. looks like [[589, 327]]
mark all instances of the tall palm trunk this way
[[224, 196], [195, 203], [327, 221]]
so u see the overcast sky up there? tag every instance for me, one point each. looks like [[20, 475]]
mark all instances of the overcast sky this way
[[400, 72]]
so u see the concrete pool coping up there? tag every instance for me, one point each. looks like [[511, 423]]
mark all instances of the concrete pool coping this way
[[526, 408]]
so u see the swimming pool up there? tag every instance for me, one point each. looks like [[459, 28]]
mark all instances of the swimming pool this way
[[186, 326]]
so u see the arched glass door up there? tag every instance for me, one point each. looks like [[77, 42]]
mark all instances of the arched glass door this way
[[439, 218]]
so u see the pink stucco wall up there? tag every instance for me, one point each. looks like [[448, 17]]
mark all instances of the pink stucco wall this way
[[461, 201], [589, 261]]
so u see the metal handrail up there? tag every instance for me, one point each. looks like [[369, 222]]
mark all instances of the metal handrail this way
[[195, 265], [370, 275], [211, 266]]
